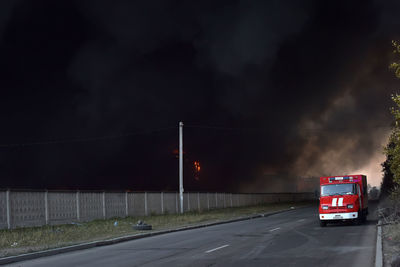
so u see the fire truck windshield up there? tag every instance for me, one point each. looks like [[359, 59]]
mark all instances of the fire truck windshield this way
[[338, 189]]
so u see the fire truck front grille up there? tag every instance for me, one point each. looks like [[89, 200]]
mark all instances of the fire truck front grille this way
[[337, 209]]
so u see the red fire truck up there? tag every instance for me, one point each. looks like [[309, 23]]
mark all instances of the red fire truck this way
[[343, 198]]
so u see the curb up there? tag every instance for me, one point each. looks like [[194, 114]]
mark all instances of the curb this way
[[378, 253], [50, 252]]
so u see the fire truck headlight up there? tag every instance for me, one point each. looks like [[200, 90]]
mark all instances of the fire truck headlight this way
[[350, 206], [324, 207]]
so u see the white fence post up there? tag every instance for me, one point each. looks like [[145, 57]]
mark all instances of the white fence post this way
[[216, 200], [162, 202], [46, 207], [145, 203], [126, 204], [78, 215], [8, 209], [104, 205], [208, 202], [231, 201], [198, 201], [224, 201]]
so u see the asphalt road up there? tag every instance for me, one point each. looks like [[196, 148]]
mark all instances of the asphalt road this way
[[291, 238]]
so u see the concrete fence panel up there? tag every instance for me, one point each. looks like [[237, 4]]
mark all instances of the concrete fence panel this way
[[269, 198], [249, 200], [131, 204], [285, 197], [272, 198], [3, 210], [235, 200], [186, 202], [170, 203], [254, 199], [299, 197], [27, 209], [220, 200], [139, 206], [242, 199], [246, 200], [193, 201], [61, 207], [154, 203], [263, 198], [307, 196], [90, 206], [115, 205], [203, 201], [260, 198], [212, 200]]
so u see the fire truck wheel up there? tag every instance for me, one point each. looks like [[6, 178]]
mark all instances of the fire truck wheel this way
[[360, 218], [364, 217], [322, 223]]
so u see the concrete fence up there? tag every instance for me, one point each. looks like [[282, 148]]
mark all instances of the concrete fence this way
[[36, 208]]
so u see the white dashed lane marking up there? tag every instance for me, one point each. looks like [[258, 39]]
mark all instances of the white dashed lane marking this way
[[274, 229], [214, 249]]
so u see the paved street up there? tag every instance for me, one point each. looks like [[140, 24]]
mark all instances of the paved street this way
[[291, 238]]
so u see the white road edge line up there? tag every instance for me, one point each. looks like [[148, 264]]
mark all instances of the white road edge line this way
[[214, 249], [274, 229]]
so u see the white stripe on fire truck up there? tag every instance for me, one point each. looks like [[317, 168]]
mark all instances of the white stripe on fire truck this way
[[340, 202], [334, 202]]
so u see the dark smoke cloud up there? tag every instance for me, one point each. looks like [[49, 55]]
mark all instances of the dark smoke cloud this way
[[293, 89]]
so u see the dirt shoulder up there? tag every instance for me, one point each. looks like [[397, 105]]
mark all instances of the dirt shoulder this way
[[390, 243], [390, 232], [25, 240]]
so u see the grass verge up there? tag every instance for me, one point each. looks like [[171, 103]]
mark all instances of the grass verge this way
[[25, 240]]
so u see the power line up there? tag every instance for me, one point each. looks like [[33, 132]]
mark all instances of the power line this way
[[274, 128], [87, 139], [143, 132], [219, 127]]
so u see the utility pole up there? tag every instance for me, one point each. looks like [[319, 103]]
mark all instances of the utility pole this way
[[181, 164]]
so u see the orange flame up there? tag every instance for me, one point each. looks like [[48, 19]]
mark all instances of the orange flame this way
[[196, 167]]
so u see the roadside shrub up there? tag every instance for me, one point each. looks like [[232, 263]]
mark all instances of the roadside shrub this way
[[389, 210]]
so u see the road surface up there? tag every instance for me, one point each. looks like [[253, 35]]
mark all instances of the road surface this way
[[291, 238]]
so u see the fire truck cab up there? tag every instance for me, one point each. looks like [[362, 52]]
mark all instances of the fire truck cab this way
[[343, 198]]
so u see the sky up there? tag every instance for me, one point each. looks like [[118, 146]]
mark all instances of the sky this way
[[271, 93]]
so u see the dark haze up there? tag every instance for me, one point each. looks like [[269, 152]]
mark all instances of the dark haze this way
[[268, 91]]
